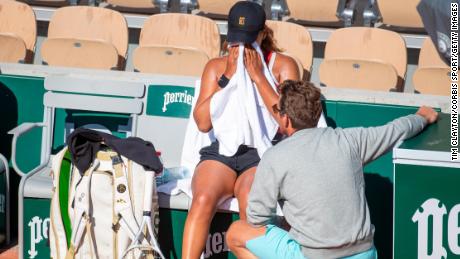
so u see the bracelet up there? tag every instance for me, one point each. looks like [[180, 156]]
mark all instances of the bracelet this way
[[223, 81]]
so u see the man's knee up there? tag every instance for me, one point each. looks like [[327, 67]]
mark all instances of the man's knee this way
[[234, 235], [240, 232]]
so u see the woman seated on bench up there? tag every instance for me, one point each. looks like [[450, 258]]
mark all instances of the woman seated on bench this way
[[218, 177]]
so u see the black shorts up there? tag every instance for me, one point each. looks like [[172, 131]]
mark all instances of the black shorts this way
[[245, 158]]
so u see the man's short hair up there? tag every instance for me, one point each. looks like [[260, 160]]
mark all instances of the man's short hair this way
[[301, 102]]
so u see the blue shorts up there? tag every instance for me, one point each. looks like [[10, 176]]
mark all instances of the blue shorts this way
[[276, 243]]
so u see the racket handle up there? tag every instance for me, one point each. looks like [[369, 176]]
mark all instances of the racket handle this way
[[148, 190]]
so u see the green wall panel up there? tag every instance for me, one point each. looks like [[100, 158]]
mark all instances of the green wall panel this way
[[330, 111], [171, 230], [21, 99], [351, 114], [435, 137], [36, 228], [116, 123], [431, 192]]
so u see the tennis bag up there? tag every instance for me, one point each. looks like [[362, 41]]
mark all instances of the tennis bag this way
[[109, 211]]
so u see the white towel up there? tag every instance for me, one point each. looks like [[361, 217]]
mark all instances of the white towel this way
[[238, 113], [194, 139]]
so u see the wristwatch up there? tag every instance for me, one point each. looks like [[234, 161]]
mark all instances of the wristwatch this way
[[223, 81]]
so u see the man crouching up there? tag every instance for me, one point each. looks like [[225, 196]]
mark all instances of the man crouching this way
[[317, 176]]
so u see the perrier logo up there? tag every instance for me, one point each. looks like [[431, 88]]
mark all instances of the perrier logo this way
[[170, 101], [181, 97]]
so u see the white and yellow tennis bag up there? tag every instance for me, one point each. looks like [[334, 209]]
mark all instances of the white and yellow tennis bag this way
[[107, 212]]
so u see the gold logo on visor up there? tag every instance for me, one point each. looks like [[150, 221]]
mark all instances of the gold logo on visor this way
[[242, 20]]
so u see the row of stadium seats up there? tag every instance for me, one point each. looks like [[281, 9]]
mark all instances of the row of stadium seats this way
[[91, 37], [393, 13]]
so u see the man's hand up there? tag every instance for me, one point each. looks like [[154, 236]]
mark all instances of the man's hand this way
[[253, 64], [232, 59], [430, 115]]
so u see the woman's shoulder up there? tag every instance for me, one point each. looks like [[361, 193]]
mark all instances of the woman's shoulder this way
[[283, 59], [284, 64], [216, 64], [217, 61]]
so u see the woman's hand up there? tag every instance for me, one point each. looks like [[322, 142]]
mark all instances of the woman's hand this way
[[232, 60], [253, 64]]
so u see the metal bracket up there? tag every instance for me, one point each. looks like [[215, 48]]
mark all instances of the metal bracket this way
[[186, 6], [371, 14], [93, 2], [17, 132], [162, 4], [278, 9], [346, 11]]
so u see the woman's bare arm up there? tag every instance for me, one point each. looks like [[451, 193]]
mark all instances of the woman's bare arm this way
[[211, 74], [288, 69], [208, 88]]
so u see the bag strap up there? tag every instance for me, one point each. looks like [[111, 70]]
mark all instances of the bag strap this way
[[65, 176], [82, 221], [123, 204]]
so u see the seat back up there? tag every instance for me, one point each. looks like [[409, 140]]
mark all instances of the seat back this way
[[295, 41], [400, 13], [170, 60], [216, 7], [358, 74], [313, 10], [92, 24], [181, 30], [13, 49], [79, 53], [372, 45], [429, 55], [432, 75], [19, 30]]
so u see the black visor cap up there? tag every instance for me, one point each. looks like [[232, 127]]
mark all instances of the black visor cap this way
[[245, 21]]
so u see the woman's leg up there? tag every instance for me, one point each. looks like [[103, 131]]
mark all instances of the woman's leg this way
[[242, 188], [211, 183]]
